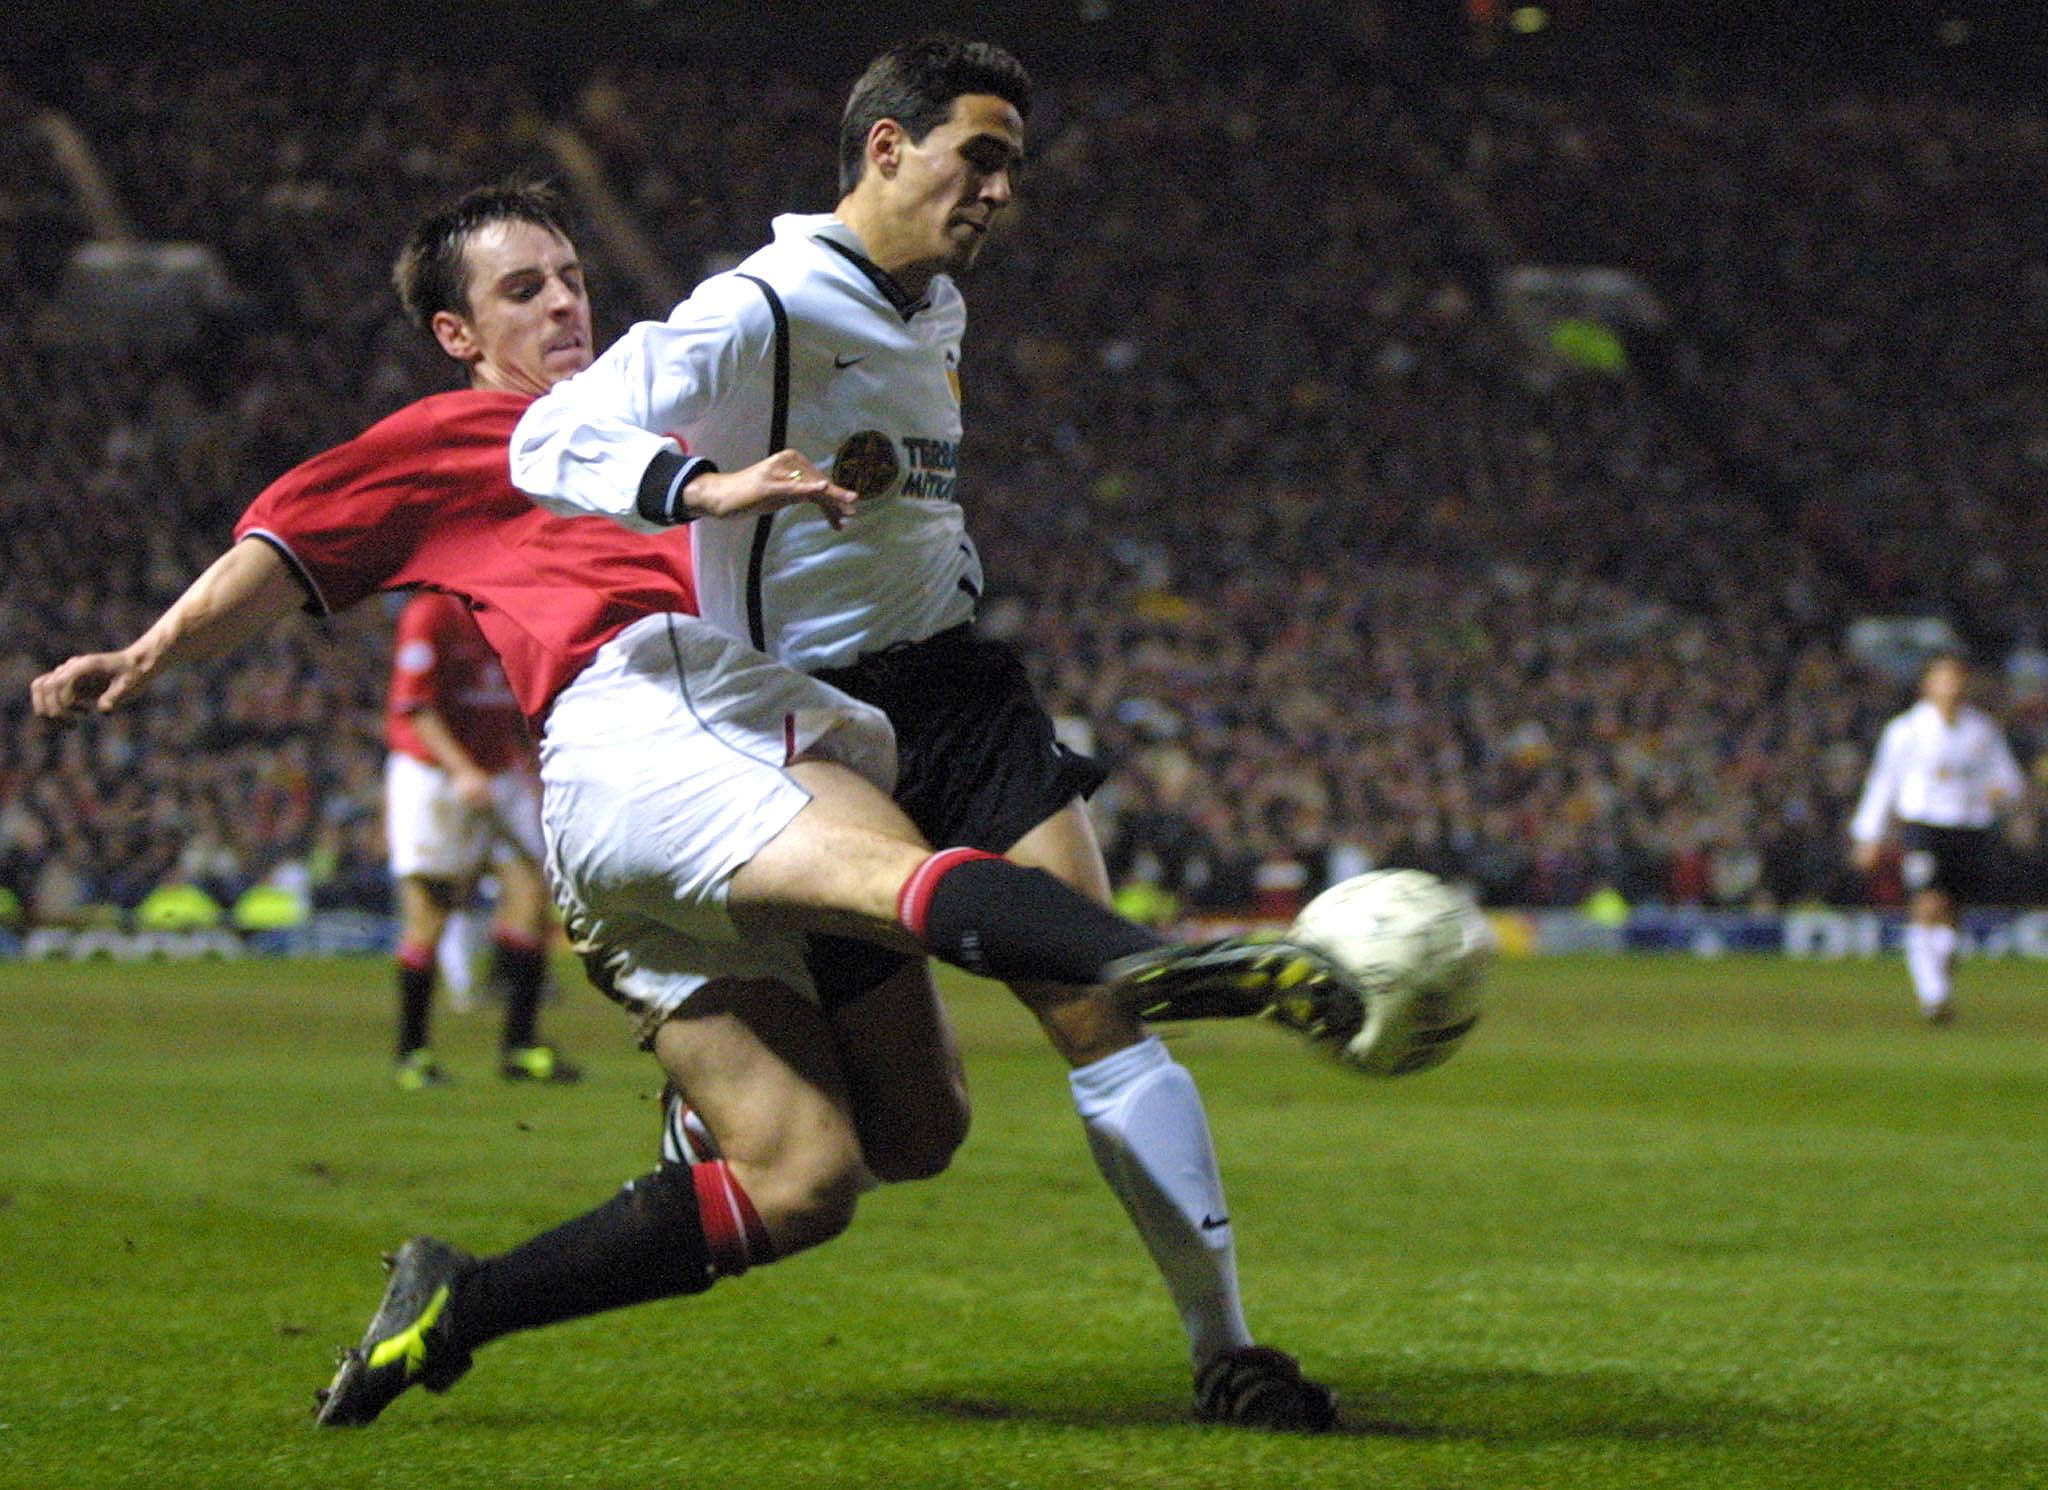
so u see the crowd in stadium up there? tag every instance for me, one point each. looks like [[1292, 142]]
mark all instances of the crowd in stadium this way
[[1261, 485]]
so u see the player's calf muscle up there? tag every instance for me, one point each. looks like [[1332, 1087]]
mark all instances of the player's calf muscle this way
[[1084, 1024]]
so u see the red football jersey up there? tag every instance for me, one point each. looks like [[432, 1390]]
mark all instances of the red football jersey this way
[[425, 498], [440, 661]]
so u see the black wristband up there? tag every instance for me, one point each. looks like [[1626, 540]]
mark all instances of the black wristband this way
[[661, 486]]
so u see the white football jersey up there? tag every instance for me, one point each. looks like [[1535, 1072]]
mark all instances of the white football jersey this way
[[1930, 771], [872, 396]]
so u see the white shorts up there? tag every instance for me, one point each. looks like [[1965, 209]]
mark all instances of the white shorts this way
[[433, 833], [663, 771]]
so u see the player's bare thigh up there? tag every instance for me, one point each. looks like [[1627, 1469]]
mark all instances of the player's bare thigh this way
[[524, 905], [1081, 1023], [760, 1063], [1065, 846], [836, 867], [424, 904]]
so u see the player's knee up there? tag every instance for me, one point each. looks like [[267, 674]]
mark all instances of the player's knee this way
[[943, 1136], [808, 1200], [820, 1210], [923, 1149], [1932, 908]]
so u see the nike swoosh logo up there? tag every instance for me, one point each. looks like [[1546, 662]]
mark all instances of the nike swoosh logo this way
[[842, 363], [1215, 1223]]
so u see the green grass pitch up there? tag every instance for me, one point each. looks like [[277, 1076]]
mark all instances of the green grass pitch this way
[[1661, 1223]]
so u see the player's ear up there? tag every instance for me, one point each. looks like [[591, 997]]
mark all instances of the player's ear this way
[[455, 335], [886, 140]]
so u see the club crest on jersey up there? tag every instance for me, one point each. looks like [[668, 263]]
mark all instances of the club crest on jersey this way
[[867, 463]]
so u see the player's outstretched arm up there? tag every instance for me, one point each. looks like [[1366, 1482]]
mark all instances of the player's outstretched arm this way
[[783, 480], [242, 592], [599, 443]]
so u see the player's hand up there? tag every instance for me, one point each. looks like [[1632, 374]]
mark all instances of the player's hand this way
[[472, 789], [1863, 857], [782, 480], [97, 681]]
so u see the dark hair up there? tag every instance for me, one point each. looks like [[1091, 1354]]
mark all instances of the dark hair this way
[[915, 84], [431, 274]]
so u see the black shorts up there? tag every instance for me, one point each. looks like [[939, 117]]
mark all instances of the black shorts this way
[[1963, 862], [978, 764]]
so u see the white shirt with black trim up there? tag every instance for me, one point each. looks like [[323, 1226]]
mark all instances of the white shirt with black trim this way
[[873, 400], [1930, 771]]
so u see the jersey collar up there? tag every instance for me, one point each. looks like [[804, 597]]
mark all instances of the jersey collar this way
[[843, 241]]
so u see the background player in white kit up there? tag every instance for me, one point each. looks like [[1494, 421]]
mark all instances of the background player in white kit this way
[[462, 792], [1943, 771], [842, 339]]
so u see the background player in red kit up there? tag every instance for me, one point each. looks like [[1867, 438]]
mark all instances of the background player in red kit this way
[[462, 792], [703, 806]]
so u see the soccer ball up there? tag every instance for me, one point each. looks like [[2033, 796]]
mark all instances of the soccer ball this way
[[1417, 949]]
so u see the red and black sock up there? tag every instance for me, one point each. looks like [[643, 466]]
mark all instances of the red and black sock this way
[[415, 996], [675, 1231], [984, 913], [733, 1233], [519, 967]]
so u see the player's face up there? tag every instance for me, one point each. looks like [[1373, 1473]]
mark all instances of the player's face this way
[[950, 186], [1945, 684], [528, 325]]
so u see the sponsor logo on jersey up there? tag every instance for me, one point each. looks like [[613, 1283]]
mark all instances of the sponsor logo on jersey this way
[[876, 466], [934, 468]]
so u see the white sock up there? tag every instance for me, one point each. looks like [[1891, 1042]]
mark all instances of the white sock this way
[[1941, 946], [1928, 949], [462, 939], [1150, 1137]]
